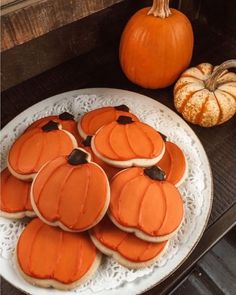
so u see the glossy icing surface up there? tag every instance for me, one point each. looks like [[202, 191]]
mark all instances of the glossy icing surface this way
[[108, 169], [126, 244], [173, 163], [15, 194], [35, 147], [68, 125], [46, 252], [151, 206], [95, 119], [75, 195], [130, 141]]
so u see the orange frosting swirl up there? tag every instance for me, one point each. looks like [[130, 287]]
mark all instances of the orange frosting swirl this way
[[68, 256], [173, 163], [126, 244], [130, 141], [15, 194], [74, 195], [151, 206], [93, 120], [35, 147]]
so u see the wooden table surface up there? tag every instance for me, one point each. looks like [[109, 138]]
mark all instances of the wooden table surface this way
[[100, 68]]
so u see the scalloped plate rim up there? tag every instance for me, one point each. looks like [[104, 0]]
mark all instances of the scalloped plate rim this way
[[8, 272]]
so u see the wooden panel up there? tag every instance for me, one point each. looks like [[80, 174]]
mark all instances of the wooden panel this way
[[215, 273], [7, 2], [32, 58], [32, 18]]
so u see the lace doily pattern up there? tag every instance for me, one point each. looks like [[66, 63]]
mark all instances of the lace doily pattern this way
[[196, 189]]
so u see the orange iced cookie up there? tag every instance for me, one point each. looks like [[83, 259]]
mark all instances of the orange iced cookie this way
[[143, 203], [109, 170], [126, 143], [36, 147], [50, 257], [71, 192], [15, 197], [66, 120], [93, 120], [174, 164], [124, 247]]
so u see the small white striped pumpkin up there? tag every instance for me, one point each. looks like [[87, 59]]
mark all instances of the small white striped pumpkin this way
[[206, 95]]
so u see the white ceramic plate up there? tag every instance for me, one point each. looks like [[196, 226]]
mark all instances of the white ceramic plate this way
[[111, 278]]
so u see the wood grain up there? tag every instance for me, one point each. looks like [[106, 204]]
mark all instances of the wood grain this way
[[45, 52], [6, 2], [30, 19]]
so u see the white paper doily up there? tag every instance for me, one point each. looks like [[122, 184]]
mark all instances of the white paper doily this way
[[112, 278]]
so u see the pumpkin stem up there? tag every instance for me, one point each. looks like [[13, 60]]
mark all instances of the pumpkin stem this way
[[160, 8], [211, 83]]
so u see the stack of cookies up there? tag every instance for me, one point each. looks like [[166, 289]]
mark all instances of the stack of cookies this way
[[106, 184]]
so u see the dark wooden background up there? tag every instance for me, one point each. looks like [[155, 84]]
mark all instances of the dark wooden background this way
[[58, 37], [98, 66]]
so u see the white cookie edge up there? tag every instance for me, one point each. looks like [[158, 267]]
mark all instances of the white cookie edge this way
[[80, 130], [139, 162], [30, 177], [48, 283], [60, 224], [141, 235], [120, 259], [184, 176], [182, 179], [17, 215]]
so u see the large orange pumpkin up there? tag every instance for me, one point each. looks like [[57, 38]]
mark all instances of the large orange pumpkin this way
[[71, 192], [156, 45], [48, 256], [144, 203]]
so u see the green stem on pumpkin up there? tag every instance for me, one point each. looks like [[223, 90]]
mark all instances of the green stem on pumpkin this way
[[160, 8], [211, 83]]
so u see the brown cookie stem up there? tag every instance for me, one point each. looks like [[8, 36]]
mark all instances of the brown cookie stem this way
[[123, 120], [50, 126], [66, 116], [77, 157], [87, 141], [155, 173], [122, 108]]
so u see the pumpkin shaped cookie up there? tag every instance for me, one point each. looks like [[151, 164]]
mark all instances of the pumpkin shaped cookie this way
[[124, 247], [66, 120], [50, 257], [173, 163], [93, 120], [125, 143], [71, 192], [143, 203], [36, 147], [15, 197], [108, 169]]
